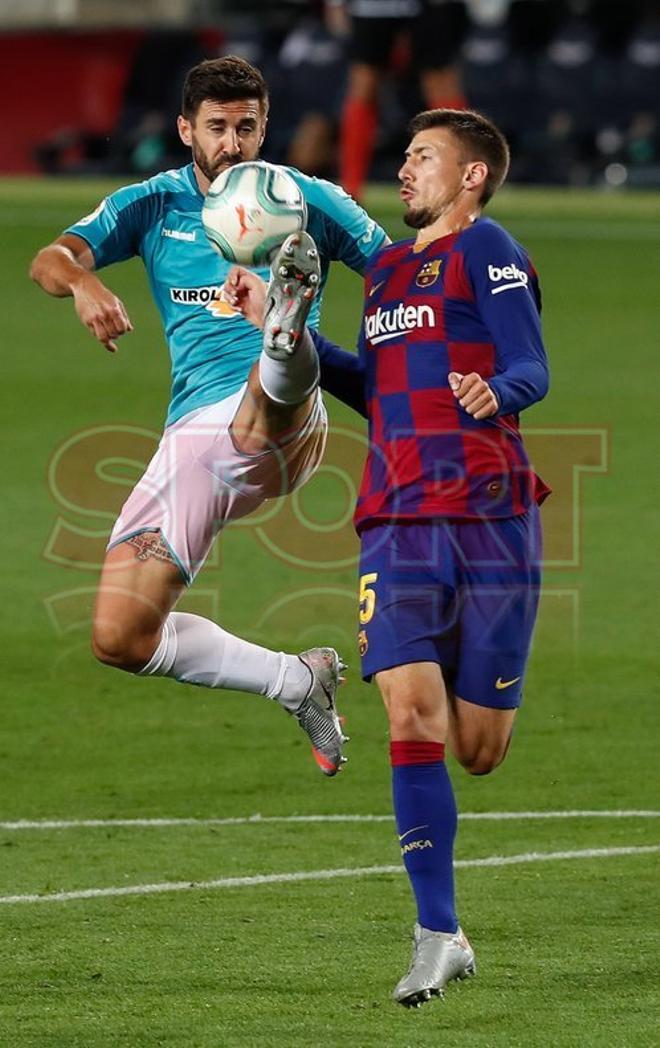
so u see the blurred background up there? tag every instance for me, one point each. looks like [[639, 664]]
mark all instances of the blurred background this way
[[93, 86], [91, 93]]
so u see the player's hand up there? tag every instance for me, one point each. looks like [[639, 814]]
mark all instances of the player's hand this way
[[246, 293], [473, 394], [101, 312]]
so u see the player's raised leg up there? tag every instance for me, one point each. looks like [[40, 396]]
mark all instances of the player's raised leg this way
[[295, 280], [135, 629], [425, 810], [282, 389]]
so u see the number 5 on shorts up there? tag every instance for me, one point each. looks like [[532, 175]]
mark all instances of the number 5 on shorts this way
[[367, 598]]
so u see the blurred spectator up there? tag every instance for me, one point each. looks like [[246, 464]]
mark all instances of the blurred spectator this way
[[495, 71], [386, 34], [301, 53], [308, 104]]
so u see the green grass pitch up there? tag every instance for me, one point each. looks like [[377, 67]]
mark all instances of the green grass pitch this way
[[565, 947]]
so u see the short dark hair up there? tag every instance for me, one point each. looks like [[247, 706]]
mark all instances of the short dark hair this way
[[225, 79], [479, 137]]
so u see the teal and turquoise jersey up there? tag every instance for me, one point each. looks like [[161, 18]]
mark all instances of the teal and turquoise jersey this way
[[212, 347]]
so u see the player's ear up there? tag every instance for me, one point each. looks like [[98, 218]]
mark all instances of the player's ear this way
[[184, 128], [476, 173]]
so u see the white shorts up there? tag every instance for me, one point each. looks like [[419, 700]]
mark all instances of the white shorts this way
[[198, 480]]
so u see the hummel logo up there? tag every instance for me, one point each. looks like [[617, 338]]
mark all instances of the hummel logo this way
[[500, 684], [179, 234]]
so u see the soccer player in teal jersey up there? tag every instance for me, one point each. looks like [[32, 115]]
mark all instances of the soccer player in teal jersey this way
[[232, 438]]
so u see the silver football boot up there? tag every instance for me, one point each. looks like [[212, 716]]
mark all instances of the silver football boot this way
[[438, 957], [296, 275], [317, 714]]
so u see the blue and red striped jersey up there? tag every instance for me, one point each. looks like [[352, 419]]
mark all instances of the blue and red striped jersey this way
[[467, 302]]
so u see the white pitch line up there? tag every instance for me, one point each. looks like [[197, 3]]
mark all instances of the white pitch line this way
[[247, 820], [320, 875]]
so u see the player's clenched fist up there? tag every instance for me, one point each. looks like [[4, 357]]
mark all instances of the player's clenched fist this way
[[246, 292], [100, 310], [473, 394]]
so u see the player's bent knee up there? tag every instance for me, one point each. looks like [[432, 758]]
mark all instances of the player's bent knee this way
[[481, 765], [482, 760], [114, 648]]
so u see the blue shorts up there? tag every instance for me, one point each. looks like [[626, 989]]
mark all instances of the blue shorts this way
[[462, 594]]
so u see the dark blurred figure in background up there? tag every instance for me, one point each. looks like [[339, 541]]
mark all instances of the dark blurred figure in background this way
[[386, 34], [300, 47], [312, 85]]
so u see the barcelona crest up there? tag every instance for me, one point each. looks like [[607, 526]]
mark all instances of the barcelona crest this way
[[429, 273], [363, 643]]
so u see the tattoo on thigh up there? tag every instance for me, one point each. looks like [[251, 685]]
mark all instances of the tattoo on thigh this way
[[150, 544]]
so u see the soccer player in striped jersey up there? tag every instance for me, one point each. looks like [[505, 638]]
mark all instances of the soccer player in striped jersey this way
[[450, 353], [241, 426]]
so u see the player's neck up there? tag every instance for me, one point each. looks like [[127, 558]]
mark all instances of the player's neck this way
[[446, 225], [202, 181]]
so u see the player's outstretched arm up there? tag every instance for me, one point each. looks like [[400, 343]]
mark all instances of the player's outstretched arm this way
[[342, 373], [65, 269]]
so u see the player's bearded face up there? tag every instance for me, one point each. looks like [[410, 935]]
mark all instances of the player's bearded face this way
[[210, 166], [223, 134], [421, 217], [431, 177]]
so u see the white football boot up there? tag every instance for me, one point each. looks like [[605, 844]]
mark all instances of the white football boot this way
[[295, 279], [317, 713], [438, 957]]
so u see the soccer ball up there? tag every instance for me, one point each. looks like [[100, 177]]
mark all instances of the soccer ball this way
[[250, 209]]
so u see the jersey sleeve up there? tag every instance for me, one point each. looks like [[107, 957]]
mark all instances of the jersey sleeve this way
[[349, 234], [342, 373], [114, 230], [508, 297]]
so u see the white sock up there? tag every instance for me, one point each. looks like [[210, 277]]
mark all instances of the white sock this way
[[197, 651], [291, 381]]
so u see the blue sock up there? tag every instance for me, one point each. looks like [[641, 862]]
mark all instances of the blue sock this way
[[425, 812]]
